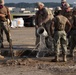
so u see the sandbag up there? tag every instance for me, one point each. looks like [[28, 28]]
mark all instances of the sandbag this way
[[18, 22]]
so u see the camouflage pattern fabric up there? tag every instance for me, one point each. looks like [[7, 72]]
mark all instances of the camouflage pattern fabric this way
[[6, 29], [60, 40]]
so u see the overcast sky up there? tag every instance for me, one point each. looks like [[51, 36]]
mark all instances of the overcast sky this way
[[31, 1]]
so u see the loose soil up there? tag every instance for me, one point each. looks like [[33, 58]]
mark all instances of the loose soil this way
[[25, 38]]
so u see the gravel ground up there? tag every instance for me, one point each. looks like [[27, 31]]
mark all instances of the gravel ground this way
[[25, 38]]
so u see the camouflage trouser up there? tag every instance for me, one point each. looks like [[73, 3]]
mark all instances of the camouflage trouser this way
[[72, 41], [6, 28], [60, 40]]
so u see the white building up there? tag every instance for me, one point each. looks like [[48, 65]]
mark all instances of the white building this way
[[11, 8]]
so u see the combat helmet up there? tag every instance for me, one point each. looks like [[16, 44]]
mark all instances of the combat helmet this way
[[58, 8], [40, 3], [63, 0], [67, 5]]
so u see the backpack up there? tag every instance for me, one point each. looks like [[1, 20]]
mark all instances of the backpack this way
[[49, 13]]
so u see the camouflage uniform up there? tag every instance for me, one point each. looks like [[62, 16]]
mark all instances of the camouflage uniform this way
[[67, 12], [4, 15], [73, 34], [4, 25], [68, 15], [60, 36], [39, 17], [42, 19], [6, 28]]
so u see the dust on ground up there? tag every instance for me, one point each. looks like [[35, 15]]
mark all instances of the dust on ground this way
[[25, 38]]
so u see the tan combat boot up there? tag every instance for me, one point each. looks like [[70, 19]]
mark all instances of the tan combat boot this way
[[56, 59], [64, 58]]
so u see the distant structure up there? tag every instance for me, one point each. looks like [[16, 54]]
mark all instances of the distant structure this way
[[23, 10], [74, 4]]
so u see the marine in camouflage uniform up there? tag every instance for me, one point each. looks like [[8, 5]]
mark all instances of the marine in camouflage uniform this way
[[63, 6], [4, 23], [73, 33], [42, 19], [67, 12], [60, 36]]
